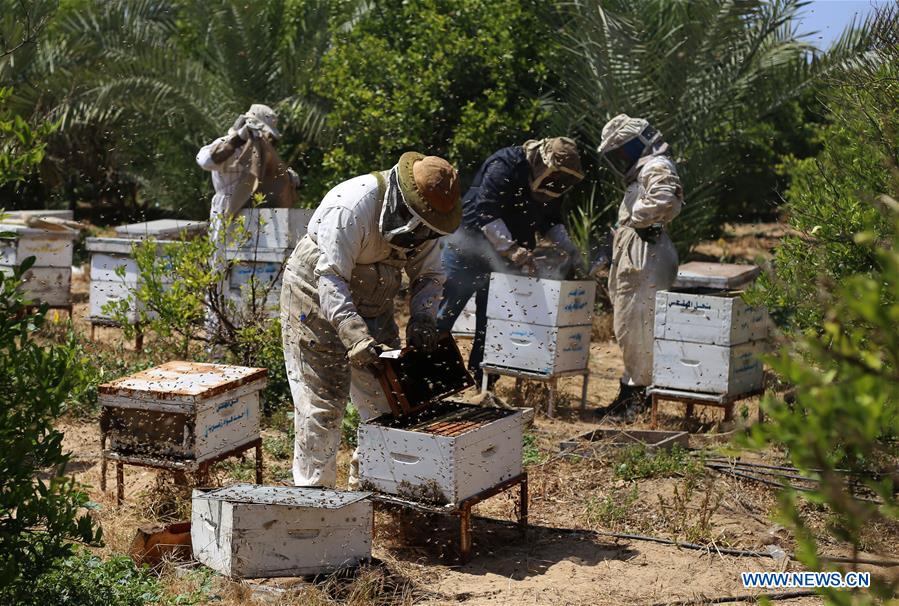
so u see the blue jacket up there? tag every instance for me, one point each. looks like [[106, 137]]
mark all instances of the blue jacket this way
[[500, 190]]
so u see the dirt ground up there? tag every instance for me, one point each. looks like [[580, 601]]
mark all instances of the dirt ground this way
[[564, 558]]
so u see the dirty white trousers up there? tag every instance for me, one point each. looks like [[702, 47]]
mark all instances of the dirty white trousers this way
[[217, 216], [639, 269], [321, 378]]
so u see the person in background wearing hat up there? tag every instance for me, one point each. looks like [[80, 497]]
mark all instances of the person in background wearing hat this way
[[514, 196], [644, 259], [243, 163], [337, 312]]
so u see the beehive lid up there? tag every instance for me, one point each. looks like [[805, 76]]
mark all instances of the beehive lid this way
[[68, 215], [122, 246], [17, 230], [414, 380], [286, 495], [183, 380], [721, 276], [161, 228]]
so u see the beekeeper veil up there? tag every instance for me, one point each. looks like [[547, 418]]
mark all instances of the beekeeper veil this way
[[627, 141], [422, 201], [555, 165]]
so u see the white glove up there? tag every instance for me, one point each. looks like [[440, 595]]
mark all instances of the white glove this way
[[245, 132]]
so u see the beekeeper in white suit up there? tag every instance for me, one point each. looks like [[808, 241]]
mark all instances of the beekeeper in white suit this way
[[644, 259], [239, 170], [339, 285]]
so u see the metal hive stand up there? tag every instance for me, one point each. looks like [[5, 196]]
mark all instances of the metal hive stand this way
[[692, 398], [107, 323], [199, 468], [521, 375], [463, 509]]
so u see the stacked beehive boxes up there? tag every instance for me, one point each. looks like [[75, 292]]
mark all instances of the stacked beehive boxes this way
[[256, 265], [112, 256], [709, 341], [276, 531], [50, 277], [539, 325]]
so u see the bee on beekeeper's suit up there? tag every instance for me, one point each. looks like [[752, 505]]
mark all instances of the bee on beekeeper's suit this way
[[337, 312]]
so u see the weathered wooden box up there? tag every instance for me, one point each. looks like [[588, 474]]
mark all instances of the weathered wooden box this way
[[540, 301], [274, 227], [545, 350], [248, 531], [263, 267], [721, 319], [709, 368], [432, 449], [182, 410], [50, 277]]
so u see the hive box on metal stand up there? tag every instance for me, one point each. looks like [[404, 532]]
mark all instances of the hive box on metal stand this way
[[247, 531], [709, 340], [254, 272], [182, 410], [432, 449], [49, 279], [539, 325]]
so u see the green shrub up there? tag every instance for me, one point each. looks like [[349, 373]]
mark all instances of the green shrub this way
[[635, 462], [86, 580], [350, 426], [40, 506]]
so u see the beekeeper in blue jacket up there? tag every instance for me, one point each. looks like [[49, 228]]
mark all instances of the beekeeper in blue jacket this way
[[514, 197]]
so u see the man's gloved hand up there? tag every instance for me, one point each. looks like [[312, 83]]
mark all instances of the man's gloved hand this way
[[245, 132], [362, 349], [421, 332], [523, 259], [364, 353]]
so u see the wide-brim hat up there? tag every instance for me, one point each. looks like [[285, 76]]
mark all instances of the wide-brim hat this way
[[263, 118], [430, 187]]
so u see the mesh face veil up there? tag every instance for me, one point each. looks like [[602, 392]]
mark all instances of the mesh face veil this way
[[622, 158], [399, 225]]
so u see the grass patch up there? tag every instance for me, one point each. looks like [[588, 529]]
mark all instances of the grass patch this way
[[612, 510], [530, 453], [636, 463]]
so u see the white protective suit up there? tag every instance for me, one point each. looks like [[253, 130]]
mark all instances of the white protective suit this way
[[654, 197], [344, 269]]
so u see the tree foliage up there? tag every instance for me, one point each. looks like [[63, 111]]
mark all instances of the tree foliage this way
[[457, 78], [703, 72], [40, 507]]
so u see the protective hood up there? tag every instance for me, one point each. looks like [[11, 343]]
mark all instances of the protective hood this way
[[627, 143], [399, 224], [555, 165]]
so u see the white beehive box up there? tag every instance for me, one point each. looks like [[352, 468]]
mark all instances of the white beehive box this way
[[409, 459], [275, 227], [162, 229], [540, 301], [108, 255], [50, 277], [545, 350], [183, 410], [708, 368], [23, 215], [248, 531], [465, 324], [716, 320]]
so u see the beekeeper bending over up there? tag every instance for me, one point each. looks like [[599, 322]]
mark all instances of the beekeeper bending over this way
[[337, 297], [514, 196], [644, 259]]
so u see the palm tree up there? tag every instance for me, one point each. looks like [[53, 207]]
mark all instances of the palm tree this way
[[143, 83], [700, 71]]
